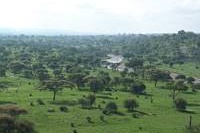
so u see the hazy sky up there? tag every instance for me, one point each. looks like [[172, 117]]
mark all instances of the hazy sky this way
[[102, 16]]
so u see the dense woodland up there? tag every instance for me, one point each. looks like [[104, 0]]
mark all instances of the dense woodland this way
[[66, 72]]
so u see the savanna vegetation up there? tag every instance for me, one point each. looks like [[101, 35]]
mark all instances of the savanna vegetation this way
[[56, 84]]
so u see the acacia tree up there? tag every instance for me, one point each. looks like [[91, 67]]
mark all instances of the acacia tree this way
[[176, 87], [138, 88], [78, 79], [158, 75], [55, 85], [96, 85], [130, 104]]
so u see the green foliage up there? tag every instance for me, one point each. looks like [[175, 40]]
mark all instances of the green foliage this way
[[111, 107], [130, 104], [138, 88], [180, 104], [96, 85]]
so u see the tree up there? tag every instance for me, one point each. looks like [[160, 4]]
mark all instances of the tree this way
[[105, 77], [24, 126], [7, 123], [157, 75], [92, 99], [43, 74], [195, 87], [2, 70], [180, 104], [111, 107], [176, 88], [78, 79], [28, 74], [17, 67], [181, 77], [130, 104], [115, 82], [10, 124], [55, 85], [138, 88], [190, 80], [96, 85], [135, 63], [85, 103], [180, 86]]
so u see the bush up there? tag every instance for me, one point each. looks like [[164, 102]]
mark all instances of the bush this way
[[24, 126], [40, 102], [190, 80], [138, 88], [92, 99], [89, 119], [180, 76], [84, 103], [102, 118], [51, 110], [63, 109], [9, 124], [130, 104], [111, 107], [196, 86], [180, 104], [31, 103], [12, 110]]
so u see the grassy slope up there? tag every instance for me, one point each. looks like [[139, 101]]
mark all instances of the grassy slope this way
[[186, 69], [167, 120]]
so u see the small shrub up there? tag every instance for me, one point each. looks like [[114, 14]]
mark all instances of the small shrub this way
[[7, 123], [180, 76], [84, 103], [40, 102], [12, 110], [51, 110], [103, 102], [180, 104], [72, 124], [99, 106], [32, 104], [63, 109], [106, 112], [24, 126], [74, 131], [102, 118], [138, 88], [130, 104], [112, 106], [89, 119], [91, 98]]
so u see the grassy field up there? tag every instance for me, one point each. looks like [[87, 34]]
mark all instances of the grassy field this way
[[188, 69], [162, 118]]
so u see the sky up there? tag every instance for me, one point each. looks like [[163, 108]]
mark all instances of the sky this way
[[102, 16]]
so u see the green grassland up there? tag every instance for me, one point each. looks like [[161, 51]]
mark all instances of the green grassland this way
[[161, 117], [188, 69]]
